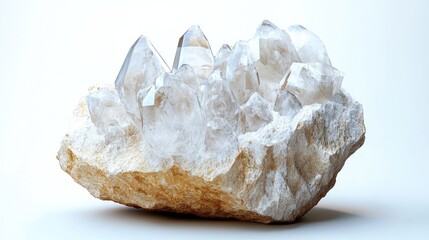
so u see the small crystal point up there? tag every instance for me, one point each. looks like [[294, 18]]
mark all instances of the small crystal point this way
[[267, 25], [194, 49], [255, 113], [141, 67], [107, 113], [313, 82], [222, 59], [308, 45], [187, 75], [218, 100], [241, 73]]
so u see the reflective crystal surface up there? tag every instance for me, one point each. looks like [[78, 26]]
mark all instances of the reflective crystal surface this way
[[218, 100], [187, 75], [107, 113], [222, 58], [221, 112], [255, 114], [287, 104], [173, 123], [206, 103], [241, 73], [276, 55], [308, 45], [141, 67], [313, 82], [194, 49]]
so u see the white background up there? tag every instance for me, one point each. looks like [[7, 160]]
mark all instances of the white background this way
[[52, 51]]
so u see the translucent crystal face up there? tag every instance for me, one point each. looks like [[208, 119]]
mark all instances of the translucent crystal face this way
[[308, 45], [141, 67], [106, 110], [276, 55], [205, 103], [194, 49], [313, 82], [241, 72], [172, 117], [222, 58]]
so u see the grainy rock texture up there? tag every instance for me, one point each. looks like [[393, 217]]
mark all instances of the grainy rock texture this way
[[218, 137]]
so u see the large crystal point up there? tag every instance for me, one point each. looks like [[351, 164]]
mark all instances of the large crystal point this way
[[222, 59], [313, 82], [276, 55], [194, 49], [308, 45], [255, 114], [241, 73], [173, 123], [141, 67]]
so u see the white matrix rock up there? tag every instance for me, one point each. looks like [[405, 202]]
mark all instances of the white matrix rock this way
[[257, 133]]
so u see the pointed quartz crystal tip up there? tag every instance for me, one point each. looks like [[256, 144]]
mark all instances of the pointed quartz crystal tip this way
[[107, 113], [194, 49], [141, 67], [222, 58], [313, 82], [308, 45], [267, 25], [276, 55]]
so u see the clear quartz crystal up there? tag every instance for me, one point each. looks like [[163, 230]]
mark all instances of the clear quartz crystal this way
[[287, 104], [218, 100], [187, 74], [313, 82], [221, 112], [107, 113], [241, 73], [276, 53], [221, 136], [308, 45], [173, 123], [255, 114], [275, 70], [141, 67], [194, 49], [222, 58]]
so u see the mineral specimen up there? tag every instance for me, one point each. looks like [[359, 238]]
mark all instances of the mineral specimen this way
[[257, 132]]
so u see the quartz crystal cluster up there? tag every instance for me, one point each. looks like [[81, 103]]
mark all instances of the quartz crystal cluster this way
[[257, 131]]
